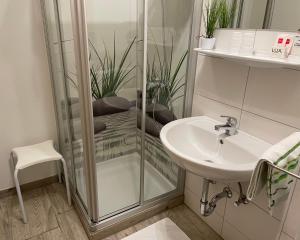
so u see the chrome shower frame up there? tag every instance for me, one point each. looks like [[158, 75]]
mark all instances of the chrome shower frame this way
[[95, 226]]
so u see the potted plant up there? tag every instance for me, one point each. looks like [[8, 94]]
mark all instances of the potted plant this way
[[211, 17]]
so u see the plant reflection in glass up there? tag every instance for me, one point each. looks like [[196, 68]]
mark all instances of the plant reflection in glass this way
[[107, 74], [163, 80]]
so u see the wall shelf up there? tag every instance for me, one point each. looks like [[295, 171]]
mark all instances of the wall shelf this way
[[254, 60]]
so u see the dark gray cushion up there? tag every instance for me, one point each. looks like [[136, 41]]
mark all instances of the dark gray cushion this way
[[98, 126], [152, 127], [139, 99], [132, 103], [160, 113], [73, 100], [110, 105], [74, 110]]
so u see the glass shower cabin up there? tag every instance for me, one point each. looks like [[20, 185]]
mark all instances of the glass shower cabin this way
[[119, 71]]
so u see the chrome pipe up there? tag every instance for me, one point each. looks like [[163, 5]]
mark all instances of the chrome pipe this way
[[208, 207], [204, 197]]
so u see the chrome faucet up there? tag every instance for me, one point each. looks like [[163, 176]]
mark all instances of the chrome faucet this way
[[230, 126]]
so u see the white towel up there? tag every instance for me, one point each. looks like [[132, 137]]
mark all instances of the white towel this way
[[286, 155]]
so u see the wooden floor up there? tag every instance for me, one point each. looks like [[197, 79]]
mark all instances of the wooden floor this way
[[50, 218]]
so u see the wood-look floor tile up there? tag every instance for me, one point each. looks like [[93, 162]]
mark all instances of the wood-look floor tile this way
[[51, 218], [71, 226], [54, 234], [5, 230], [58, 196], [40, 214], [205, 230], [189, 229]]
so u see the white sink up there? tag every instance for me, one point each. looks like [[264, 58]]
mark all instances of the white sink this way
[[194, 145]]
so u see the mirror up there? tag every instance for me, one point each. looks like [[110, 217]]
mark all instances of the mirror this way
[[284, 15], [252, 14], [280, 15]]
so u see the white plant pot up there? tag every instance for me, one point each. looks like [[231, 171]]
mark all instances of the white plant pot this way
[[207, 43]]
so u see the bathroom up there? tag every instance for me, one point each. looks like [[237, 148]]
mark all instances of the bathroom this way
[[153, 119]]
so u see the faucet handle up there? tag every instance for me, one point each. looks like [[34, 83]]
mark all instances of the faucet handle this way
[[232, 121]]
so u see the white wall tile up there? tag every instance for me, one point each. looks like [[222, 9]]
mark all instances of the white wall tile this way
[[274, 93], [221, 80], [251, 220], [192, 201], [264, 128], [261, 200], [213, 109], [215, 222], [270, 112], [193, 183], [229, 232]]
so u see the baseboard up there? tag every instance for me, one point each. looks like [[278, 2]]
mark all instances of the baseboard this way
[[29, 186]]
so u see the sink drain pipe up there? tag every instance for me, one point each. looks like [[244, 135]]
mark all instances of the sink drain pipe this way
[[208, 207]]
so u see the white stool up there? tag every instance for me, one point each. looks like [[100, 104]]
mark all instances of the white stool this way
[[35, 154]]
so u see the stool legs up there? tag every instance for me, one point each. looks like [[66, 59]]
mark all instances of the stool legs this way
[[20, 195], [58, 171], [67, 180]]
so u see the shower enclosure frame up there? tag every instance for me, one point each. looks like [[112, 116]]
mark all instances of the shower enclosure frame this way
[[89, 215]]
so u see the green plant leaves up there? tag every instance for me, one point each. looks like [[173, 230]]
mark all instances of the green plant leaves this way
[[163, 80], [107, 74], [227, 13], [220, 13], [211, 18]]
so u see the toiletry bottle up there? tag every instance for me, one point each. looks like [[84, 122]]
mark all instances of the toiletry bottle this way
[[278, 49], [288, 45]]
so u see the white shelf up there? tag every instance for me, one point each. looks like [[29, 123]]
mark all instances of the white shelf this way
[[254, 60]]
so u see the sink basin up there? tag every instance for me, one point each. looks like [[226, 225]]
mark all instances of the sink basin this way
[[194, 145]]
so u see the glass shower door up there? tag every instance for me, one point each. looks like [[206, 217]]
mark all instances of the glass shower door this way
[[60, 41], [131, 164], [57, 71], [112, 39], [168, 30], [71, 72], [114, 104]]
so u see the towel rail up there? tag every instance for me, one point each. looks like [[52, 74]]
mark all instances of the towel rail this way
[[283, 170]]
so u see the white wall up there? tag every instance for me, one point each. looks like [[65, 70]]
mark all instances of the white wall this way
[[266, 102], [27, 112]]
